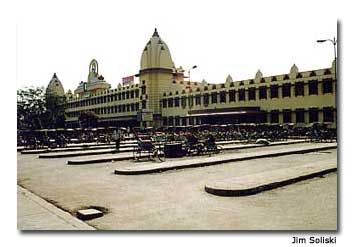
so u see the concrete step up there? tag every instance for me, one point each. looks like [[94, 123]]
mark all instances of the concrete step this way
[[128, 157], [256, 183], [82, 153]]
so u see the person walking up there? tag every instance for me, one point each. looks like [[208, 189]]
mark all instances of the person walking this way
[[117, 137]]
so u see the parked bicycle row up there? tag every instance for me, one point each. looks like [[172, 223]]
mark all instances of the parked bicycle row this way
[[247, 133]]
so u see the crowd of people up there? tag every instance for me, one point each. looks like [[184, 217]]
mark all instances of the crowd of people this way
[[247, 133]]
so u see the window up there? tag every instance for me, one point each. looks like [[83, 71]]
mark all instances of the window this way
[[164, 103], [313, 115], [197, 99], [232, 96], [287, 116], [214, 98], [136, 93], [123, 96], [119, 108], [177, 121], [313, 73], [327, 86], [170, 121], [128, 108], [132, 94], [177, 102], [313, 87], [184, 102], [206, 99], [241, 95], [300, 115], [252, 93], [274, 116], [143, 90], [262, 92], [299, 89], [164, 121], [119, 96], [170, 102], [274, 91], [328, 115], [223, 97], [123, 108], [143, 104], [286, 90], [184, 121], [190, 100]]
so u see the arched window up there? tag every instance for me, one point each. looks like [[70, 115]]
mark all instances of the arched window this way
[[327, 72], [313, 73]]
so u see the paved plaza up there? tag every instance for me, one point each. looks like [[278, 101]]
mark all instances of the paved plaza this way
[[176, 199]]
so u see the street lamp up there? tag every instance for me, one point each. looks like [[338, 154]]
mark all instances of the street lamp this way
[[334, 43], [189, 91], [189, 85]]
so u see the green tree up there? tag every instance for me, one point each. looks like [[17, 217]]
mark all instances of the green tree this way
[[36, 110], [88, 119], [55, 112], [31, 107]]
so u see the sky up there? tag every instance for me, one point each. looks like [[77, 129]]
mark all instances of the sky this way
[[220, 37]]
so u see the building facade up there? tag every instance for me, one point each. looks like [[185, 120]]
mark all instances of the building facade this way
[[164, 98]]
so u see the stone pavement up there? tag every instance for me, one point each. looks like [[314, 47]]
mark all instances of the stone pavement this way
[[34, 213], [219, 159], [259, 182]]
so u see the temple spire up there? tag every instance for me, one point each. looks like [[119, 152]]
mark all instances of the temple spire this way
[[156, 34]]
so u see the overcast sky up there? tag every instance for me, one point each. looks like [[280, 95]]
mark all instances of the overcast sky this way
[[220, 37]]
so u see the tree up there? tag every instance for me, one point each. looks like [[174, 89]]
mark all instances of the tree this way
[[55, 111], [88, 119], [31, 107], [36, 110]]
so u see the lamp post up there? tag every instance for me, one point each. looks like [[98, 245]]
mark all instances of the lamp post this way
[[334, 43], [189, 89]]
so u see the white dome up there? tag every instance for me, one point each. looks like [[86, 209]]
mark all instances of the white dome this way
[[55, 87], [156, 54]]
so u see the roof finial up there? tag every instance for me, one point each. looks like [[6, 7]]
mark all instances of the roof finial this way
[[55, 75], [156, 34]]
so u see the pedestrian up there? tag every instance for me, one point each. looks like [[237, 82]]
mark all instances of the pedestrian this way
[[117, 137]]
